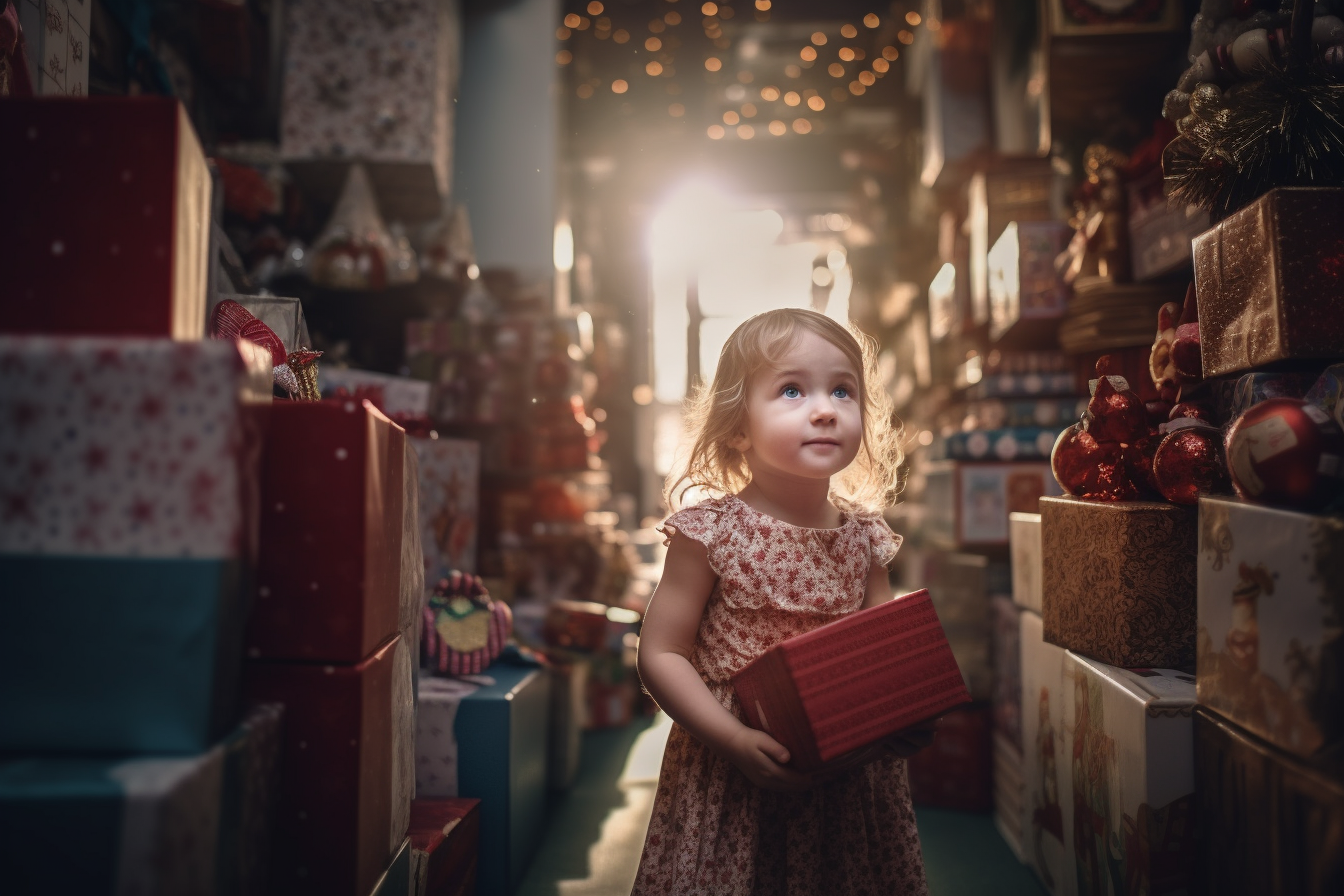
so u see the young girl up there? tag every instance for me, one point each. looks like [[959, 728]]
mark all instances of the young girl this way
[[795, 404]]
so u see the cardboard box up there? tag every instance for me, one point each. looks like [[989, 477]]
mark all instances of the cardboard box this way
[[1269, 623], [445, 836], [114, 199], [1009, 792], [396, 879], [57, 34], [956, 770], [395, 396], [969, 503], [1263, 294], [1007, 653], [1118, 580], [1047, 700], [436, 748], [570, 674], [853, 681], [155, 825], [501, 734], [332, 493], [1133, 779], [130, 447], [1024, 541], [346, 768], [450, 484], [1269, 823], [1160, 232]]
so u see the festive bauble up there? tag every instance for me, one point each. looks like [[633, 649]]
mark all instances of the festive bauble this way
[[1086, 468], [1186, 355], [1115, 414], [1190, 409], [1189, 462], [1139, 462], [1071, 456], [1287, 452]]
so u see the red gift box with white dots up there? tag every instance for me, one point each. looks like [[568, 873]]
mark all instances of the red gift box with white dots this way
[[106, 215], [329, 565]]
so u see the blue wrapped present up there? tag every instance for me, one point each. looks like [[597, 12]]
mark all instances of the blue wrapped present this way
[[119, 655], [156, 826], [501, 735]]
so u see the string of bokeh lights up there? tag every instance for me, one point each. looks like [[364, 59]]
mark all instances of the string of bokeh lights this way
[[662, 43]]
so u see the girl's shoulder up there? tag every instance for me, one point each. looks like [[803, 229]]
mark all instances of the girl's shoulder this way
[[700, 521], [883, 542]]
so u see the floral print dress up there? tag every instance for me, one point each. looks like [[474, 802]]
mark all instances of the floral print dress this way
[[713, 832]]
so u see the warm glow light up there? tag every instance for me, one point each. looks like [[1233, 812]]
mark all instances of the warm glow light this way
[[748, 110], [778, 128], [846, 54], [564, 57], [816, 103], [594, 8], [745, 77], [653, 45], [871, 20], [643, 395], [715, 132], [730, 117], [891, 54], [676, 110], [835, 259], [912, 18], [822, 277], [792, 98], [867, 79], [905, 37], [848, 31], [746, 131], [562, 250], [802, 125], [725, 12], [709, 9], [713, 64], [571, 21], [818, 38], [562, 33], [836, 69], [792, 71], [672, 18], [604, 24], [808, 54], [769, 94], [619, 86], [585, 91], [584, 22], [657, 26], [621, 36], [881, 65], [857, 88], [763, 5], [654, 68]]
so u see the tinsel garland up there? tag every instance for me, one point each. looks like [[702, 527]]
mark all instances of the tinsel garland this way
[[1284, 130]]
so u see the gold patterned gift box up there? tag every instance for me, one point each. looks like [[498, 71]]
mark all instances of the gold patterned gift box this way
[[1118, 580], [1271, 624], [1268, 281]]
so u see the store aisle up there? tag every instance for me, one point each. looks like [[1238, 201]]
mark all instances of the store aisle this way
[[596, 830]]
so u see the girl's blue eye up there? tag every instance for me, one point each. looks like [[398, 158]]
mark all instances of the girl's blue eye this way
[[791, 392], [841, 392]]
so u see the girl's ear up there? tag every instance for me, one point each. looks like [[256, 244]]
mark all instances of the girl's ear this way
[[740, 442]]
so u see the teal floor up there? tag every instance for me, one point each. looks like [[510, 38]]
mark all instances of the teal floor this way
[[596, 830]]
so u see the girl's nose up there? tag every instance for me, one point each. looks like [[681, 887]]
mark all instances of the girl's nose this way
[[823, 411]]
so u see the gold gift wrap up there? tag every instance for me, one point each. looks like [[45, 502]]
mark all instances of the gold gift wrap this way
[[1118, 580], [1268, 281]]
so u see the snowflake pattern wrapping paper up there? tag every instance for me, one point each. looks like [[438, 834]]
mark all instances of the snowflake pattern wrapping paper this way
[[128, 447]]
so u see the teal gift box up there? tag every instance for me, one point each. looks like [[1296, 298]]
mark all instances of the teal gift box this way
[[155, 826], [501, 734], [118, 655]]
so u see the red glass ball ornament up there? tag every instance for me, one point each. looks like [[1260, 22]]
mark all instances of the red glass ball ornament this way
[[1139, 463], [1189, 462], [1086, 468], [1071, 457], [1287, 452]]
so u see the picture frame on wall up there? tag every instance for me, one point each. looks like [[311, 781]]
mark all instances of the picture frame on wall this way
[[1081, 18]]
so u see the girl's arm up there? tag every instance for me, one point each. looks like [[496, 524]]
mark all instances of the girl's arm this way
[[879, 587], [665, 644]]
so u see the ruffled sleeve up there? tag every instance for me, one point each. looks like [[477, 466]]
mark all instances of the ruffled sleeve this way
[[882, 542], [699, 523]]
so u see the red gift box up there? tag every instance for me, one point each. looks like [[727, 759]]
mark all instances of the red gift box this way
[[108, 205], [576, 625], [853, 681], [329, 571], [344, 797], [445, 836]]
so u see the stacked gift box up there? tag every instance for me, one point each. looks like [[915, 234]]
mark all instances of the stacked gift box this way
[[130, 531]]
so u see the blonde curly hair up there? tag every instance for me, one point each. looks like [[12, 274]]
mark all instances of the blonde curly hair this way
[[717, 413]]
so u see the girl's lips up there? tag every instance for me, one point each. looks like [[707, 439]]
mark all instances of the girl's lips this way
[[822, 442]]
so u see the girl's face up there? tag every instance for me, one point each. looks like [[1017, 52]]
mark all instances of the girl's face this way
[[804, 416]]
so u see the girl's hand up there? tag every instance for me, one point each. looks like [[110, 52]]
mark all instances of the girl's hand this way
[[762, 759]]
